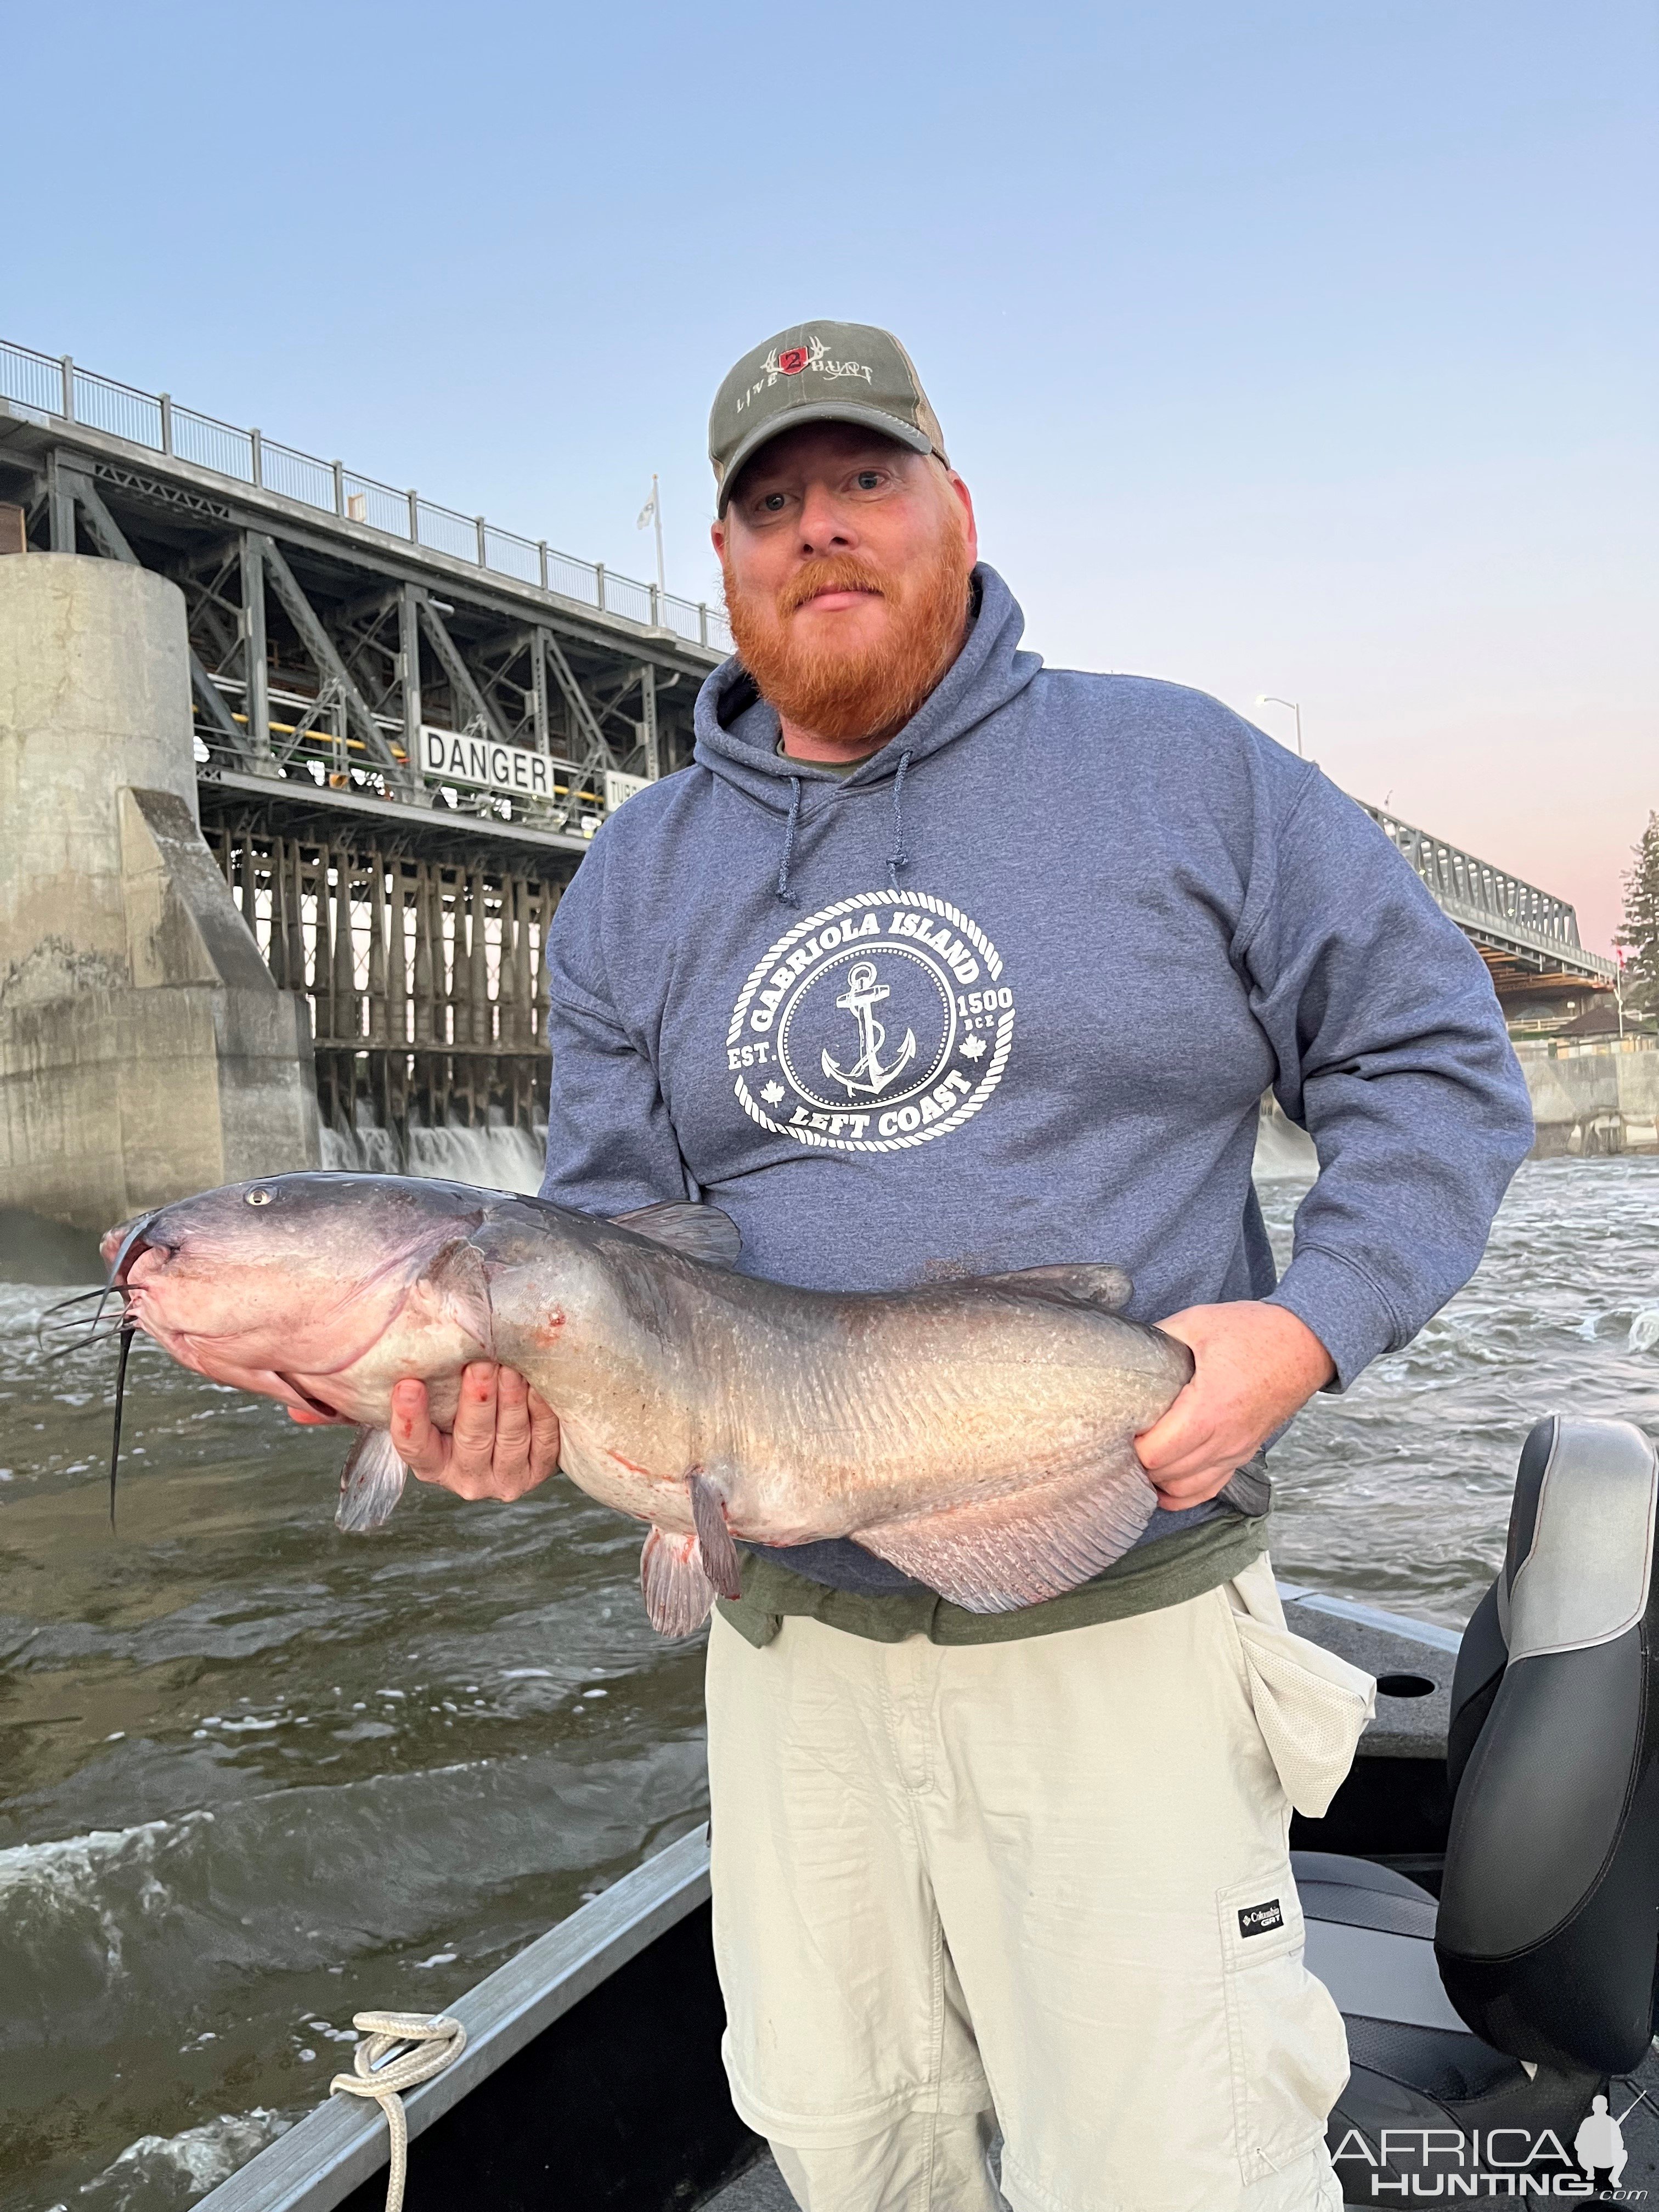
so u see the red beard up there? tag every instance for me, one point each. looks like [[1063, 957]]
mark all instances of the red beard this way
[[845, 693]]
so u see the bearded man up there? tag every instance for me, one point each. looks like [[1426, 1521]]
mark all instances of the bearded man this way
[[938, 961]]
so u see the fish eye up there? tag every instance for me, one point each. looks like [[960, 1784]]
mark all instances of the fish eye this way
[[258, 1198]]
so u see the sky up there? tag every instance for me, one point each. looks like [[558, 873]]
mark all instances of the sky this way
[[1293, 349]]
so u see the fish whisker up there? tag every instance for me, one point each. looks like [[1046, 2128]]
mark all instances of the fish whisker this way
[[128, 1330], [80, 1298], [64, 1327], [82, 1344]]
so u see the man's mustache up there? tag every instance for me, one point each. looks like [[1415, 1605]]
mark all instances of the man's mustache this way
[[839, 573]]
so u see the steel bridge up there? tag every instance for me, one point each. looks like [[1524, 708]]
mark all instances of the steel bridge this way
[[408, 723], [1527, 938]]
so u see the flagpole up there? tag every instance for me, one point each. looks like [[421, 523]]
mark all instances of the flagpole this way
[[656, 517]]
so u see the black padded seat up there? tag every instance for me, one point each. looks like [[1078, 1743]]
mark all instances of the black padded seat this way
[[1507, 2003], [1551, 1900], [1415, 2064]]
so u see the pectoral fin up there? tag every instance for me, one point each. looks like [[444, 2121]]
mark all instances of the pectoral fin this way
[[1034, 1543], [678, 1595], [371, 1483]]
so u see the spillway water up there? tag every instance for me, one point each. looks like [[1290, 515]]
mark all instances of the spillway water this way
[[255, 1776], [498, 1158]]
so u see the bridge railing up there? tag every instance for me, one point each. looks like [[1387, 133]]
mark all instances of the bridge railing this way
[[1473, 892], [51, 386]]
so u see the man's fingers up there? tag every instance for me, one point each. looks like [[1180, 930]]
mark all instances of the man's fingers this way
[[475, 1418], [506, 1438], [512, 1414], [1183, 1431], [422, 1449], [544, 1438]]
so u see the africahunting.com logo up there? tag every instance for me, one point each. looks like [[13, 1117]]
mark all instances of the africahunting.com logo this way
[[1421, 2164]]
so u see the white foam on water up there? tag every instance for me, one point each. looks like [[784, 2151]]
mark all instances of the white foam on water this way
[[1644, 1329], [202, 2157], [70, 1869]]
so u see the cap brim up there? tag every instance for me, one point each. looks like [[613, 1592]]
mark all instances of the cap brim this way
[[819, 411]]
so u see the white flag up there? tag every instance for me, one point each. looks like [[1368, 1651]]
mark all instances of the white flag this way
[[648, 512]]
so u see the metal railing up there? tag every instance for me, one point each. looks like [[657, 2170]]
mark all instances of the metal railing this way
[[1486, 897], [48, 386]]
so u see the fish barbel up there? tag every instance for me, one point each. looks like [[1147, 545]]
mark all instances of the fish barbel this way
[[978, 1434]]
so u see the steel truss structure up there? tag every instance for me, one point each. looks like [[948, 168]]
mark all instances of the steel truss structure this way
[[322, 646], [1528, 937], [332, 620]]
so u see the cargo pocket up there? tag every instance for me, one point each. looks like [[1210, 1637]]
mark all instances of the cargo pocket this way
[[1285, 2035], [1310, 1706]]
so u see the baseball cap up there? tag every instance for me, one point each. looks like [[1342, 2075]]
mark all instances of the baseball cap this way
[[818, 373]]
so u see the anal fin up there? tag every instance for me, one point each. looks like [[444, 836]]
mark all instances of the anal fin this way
[[678, 1595], [719, 1554], [998, 1553], [371, 1483]]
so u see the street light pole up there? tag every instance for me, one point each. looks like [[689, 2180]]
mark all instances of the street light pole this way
[[1267, 699]]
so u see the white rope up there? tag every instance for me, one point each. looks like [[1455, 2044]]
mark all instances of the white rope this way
[[437, 2041]]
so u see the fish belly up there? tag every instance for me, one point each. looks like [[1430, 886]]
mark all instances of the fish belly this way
[[988, 1454]]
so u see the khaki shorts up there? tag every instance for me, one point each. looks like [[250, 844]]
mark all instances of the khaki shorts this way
[[1046, 1880]]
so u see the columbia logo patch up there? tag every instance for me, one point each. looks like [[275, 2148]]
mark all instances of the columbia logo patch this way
[[1258, 1919]]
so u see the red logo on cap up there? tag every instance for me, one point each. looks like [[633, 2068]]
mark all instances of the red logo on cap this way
[[794, 362]]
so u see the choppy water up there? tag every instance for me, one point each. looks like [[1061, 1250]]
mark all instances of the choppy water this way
[[255, 1776]]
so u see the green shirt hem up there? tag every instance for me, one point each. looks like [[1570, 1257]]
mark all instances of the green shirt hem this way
[[1168, 1572]]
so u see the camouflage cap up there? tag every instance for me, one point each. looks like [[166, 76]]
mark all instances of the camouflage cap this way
[[818, 373]]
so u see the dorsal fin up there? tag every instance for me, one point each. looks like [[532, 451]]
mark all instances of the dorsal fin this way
[[1091, 1282], [701, 1232]]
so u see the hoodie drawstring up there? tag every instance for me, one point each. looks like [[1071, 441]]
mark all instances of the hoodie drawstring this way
[[784, 892], [899, 858]]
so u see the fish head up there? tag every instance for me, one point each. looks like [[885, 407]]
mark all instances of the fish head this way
[[289, 1275]]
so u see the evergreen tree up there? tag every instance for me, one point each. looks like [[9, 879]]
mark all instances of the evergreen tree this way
[[1640, 934]]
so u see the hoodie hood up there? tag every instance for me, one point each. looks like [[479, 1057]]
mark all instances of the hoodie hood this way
[[737, 734]]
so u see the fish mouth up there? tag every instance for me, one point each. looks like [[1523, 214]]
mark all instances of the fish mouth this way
[[318, 1405]]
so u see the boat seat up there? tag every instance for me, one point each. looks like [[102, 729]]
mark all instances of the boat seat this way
[[1507, 2002]]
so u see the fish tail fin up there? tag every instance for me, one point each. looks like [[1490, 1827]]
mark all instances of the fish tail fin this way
[[371, 1482], [678, 1596], [995, 1554]]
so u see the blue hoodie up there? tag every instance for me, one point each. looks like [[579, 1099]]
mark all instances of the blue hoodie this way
[[1011, 992]]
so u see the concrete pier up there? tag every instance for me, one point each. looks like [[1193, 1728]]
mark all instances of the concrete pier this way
[[1594, 1102], [145, 1051]]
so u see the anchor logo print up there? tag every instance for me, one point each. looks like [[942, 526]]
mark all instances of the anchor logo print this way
[[861, 997], [881, 1022]]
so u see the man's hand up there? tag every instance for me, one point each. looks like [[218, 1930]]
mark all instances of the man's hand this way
[[506, 1438], [1257, 1364]]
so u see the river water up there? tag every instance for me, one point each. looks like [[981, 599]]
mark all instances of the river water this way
[[255, 1776]]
